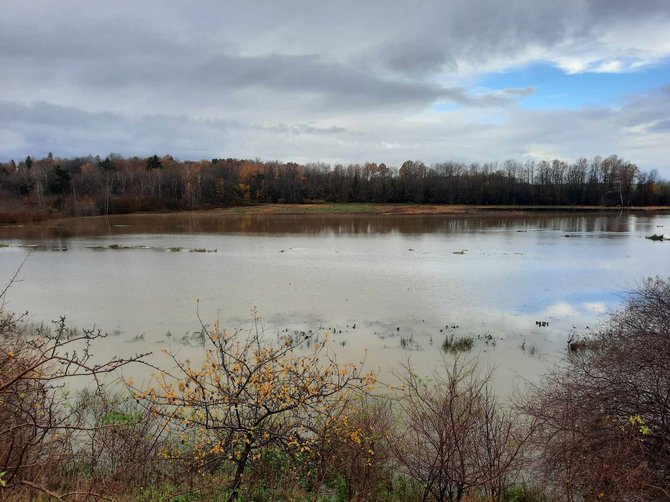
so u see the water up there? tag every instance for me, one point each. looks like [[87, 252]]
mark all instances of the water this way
[[389, 289]]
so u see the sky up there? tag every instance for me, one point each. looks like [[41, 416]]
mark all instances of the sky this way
[[337, 81]]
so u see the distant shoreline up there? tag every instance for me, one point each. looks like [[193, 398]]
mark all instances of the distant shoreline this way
[[406, 209], [354, 209]]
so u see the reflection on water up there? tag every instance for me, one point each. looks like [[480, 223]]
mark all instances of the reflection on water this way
[[396, 286], [217, 223]]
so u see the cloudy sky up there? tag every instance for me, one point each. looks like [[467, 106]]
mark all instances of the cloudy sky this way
[[337, 81]]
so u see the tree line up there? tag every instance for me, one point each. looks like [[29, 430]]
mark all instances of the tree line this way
[[116, 184]]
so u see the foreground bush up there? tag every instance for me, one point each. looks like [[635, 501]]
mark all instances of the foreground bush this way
[[252, 395], [605, 416], [455, 439], [38, 425]]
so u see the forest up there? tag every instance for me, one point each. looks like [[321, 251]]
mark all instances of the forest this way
[[83, 186]]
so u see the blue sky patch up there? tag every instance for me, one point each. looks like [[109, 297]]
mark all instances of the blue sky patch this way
[[557, 89]]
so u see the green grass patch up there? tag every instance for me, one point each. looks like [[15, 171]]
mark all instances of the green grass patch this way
[[656, 237], [525, 493]]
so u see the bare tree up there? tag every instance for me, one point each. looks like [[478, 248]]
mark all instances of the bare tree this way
[[455, 439]]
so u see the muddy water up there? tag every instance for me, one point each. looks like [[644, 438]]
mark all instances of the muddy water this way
[[388, 288]]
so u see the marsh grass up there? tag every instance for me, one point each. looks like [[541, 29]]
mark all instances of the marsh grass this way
[[656, 237], [409, 343], [530, 349], [453, 345], [120, 246]]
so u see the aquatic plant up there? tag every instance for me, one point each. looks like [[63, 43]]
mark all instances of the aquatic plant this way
[[657, 237], [460, 344]]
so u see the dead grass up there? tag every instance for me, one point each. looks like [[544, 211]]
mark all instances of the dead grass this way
[[399, 209], [13, 216]]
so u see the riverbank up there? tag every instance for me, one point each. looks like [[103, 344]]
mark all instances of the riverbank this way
[[413, 209], [324, 209]]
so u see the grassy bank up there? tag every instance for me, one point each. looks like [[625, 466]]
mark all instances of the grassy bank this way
[[15, 217], [409, 209]]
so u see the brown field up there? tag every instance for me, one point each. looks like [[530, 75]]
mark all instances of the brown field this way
[[406, 209], [15, 216]]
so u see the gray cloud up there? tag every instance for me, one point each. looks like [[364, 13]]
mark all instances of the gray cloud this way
[[69, 131], [328, 84], [416, 57], [624, 9], [481, 33], [660, 126]]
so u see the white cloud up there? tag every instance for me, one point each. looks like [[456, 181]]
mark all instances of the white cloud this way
[[596, 307], [561, 310]]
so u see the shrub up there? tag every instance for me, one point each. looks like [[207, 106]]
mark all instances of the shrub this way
[[37, 424], [604, 419], [455, 439], [251, 395]]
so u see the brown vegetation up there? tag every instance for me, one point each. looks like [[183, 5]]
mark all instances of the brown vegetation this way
[[38, 425], [251, 395], [455, 438], [605, 419]]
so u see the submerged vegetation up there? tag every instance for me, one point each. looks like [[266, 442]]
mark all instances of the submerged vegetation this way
[[279, 418], [34, 189], [460, 344]]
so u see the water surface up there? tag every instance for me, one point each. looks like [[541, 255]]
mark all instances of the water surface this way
[[389, 287]]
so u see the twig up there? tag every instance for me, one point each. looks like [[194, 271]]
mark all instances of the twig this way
[[13, 279], [42, 489]]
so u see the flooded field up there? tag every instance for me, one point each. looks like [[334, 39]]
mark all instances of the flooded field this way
[[386, 288]]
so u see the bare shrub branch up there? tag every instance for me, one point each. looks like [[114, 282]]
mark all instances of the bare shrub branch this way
[[455, 438], [605, 416]]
